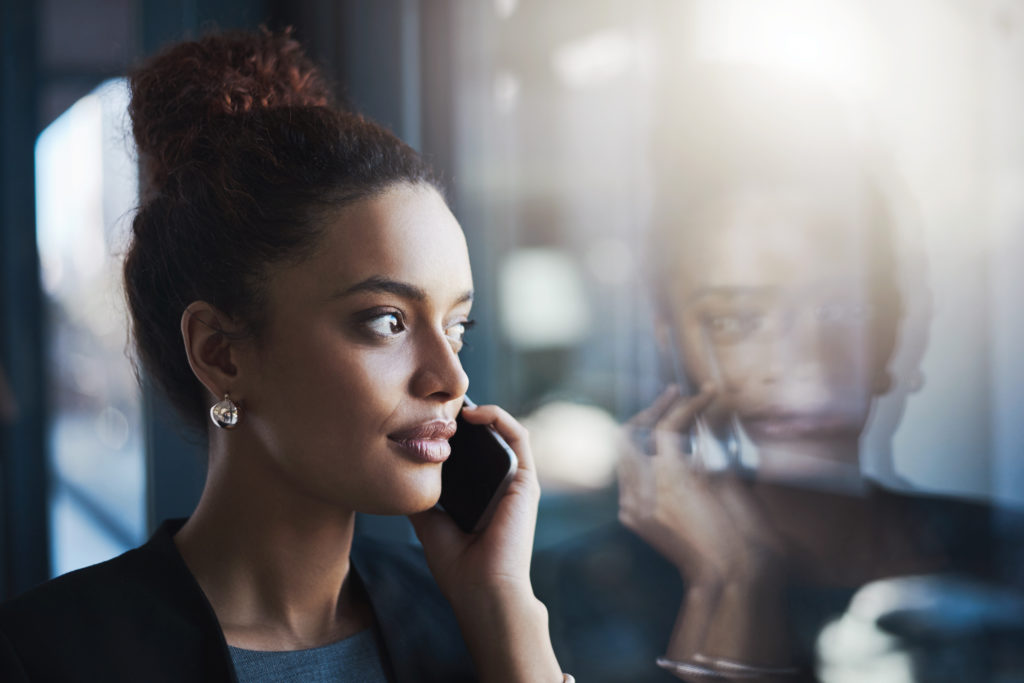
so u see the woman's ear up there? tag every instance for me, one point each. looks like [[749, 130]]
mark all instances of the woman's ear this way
[[211, 345]]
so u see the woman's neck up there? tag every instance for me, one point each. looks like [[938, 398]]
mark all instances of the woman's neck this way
[[826, 463], [273, 563]]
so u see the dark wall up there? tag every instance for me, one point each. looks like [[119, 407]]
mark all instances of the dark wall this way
[[23, 528]]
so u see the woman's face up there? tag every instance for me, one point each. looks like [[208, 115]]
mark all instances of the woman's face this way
[[356, 380], [772, 303]]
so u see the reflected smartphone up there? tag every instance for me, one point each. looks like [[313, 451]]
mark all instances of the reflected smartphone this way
[[476, 474]]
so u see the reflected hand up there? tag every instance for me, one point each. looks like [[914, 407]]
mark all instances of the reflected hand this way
[[709, 525]]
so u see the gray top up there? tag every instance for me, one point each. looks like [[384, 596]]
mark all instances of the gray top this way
[[356, 659]]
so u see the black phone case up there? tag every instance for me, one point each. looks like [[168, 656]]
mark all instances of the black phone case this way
[[475, 475]]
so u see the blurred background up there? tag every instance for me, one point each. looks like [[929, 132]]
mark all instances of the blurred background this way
[[549, 122]]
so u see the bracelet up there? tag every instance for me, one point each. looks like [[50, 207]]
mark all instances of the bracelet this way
[[695, 670], [718, 668], [732, 665]]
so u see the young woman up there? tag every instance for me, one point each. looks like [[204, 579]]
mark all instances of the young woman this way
[[295, 266]]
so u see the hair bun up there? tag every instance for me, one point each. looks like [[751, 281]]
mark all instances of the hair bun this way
[[178, 94]]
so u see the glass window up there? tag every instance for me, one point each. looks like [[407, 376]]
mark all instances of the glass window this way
[[809, 210], [86, 190]]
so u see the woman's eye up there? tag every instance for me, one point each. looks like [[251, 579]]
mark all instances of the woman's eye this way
[[386, 325], [456, 333], [731, 327]]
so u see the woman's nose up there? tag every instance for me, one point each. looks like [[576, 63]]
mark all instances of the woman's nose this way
[[439, 372]]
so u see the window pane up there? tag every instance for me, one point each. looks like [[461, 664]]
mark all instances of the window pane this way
[[86, 185]]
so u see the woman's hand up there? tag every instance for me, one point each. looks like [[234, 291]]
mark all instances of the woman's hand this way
[[710, 525], [486, 576], [498, 558]]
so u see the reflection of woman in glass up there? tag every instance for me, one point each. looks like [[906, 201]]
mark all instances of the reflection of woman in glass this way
[[779, 294], [297, 267]]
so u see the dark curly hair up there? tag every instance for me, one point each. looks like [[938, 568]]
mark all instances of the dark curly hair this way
[[243, 157]]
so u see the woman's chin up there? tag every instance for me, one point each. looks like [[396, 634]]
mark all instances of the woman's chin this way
[[415, 497], [420, 504], [795, 425]]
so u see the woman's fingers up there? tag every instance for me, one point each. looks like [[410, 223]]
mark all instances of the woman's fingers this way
[[500, 552], [671, 434], [506, 426], [659, 427], [656, 431], [636, 484], [649, 416], [523, 494], [684, 411]]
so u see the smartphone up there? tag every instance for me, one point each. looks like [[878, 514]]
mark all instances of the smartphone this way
[[476, 474]]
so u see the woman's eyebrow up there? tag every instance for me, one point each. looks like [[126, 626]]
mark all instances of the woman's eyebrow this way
[[731, 292], [379, 283]]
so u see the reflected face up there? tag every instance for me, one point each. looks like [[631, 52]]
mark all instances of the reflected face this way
[[357, 378], [772, 302]]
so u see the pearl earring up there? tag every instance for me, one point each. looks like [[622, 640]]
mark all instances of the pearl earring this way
[[224, 413]]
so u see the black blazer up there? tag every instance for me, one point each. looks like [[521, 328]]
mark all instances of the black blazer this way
[[142, 617]]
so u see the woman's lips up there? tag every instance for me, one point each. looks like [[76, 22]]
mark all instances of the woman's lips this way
[[427, 442]]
